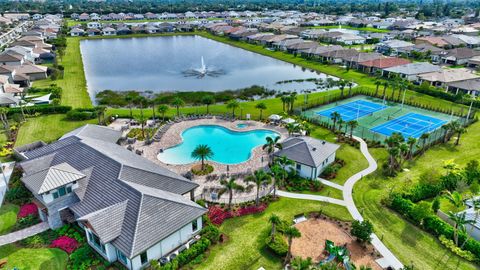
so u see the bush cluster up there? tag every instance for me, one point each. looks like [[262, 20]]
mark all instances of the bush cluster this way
[[451, 245], [81, 114], [297, 183], [65, 243], [185, 257], [278, 245], [217, 214], [211, 232], [17, 193], [27, 210], [39, 109]]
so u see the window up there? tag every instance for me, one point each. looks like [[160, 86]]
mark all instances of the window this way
[[299, 167], [143, 258], [121, 257], [62, 191], [96, 241], [194, 225]]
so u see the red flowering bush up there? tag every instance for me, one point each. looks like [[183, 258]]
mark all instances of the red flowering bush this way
[[27, 210], [217, 214], [65, 243]]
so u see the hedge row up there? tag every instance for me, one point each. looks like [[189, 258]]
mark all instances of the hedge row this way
[[185, 256], [81, 114], [41, 109], [433, 224], [434, 92]]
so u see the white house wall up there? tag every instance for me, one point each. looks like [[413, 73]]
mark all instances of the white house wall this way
[[168, 244]]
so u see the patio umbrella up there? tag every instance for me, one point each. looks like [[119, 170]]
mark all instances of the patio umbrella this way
[[288, 121], [275, 117]]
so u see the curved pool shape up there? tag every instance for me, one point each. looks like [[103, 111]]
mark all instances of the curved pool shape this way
[[229, 147]]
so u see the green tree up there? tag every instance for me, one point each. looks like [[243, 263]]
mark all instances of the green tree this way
[[290, 232], [274, 221], [300, 264], [101, 109], [459, 220], [335, 116], [362, 230], [285, 100], [259, 178], [293, 97], [454, 198], [177, 103], [207, 101], [233, 104], [202, 152], [162, 109], [436, 205], [420, 211], [411, 142], [270, 145], [352, 124], [230, 186], [261, 106], [424, 137]]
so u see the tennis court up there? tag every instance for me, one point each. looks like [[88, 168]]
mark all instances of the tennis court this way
[[353, 110], [410, 125]]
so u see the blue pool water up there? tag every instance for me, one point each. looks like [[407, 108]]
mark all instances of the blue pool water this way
[[229, 147], [353, 110], [242, 125], [410, 125]]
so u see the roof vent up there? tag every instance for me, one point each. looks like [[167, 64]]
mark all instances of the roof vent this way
[[323, 142], [313, 149]]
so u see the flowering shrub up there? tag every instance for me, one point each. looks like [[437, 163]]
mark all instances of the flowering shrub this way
[[65, 243], [217, 214], [27, 210]]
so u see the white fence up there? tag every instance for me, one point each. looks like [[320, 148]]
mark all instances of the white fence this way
[[212, 196]]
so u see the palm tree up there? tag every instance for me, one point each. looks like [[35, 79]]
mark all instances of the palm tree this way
[[230, 186], [101, 113], [274, 220], [341, 84], [454, 198], [352, 124], [142, 120], [290, 233], [293, 97], [271, 144], [424, 138], [446, 130], [335, 116], [261, 106], [402, 86], [385, 85], [162, 109], [300, 264], [377, 85], [208, 100], [202, 152], [281, 172], [340, 123], [411, 143], [4, 119], [476, 210], [459, 220], [129, 98], [177, 103], [285, 100], [459, 129], [233, 104], [259, 178], [291, 128], [349, 84], [278, 174]]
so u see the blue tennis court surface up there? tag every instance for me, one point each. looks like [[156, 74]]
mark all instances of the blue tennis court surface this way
[[353, 110], [410, 125]]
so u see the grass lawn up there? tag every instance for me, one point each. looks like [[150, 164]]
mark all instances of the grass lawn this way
[[245, 248], [368, 29], [8, 217], [33, 258], [47, 128], [73, 83], [405, 240], [327, 191]]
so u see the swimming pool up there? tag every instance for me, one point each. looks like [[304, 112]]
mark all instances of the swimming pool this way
[[229, 147]]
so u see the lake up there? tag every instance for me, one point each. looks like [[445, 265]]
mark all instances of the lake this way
[[175, 64]]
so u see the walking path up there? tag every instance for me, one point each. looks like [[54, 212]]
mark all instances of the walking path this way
[[389, 259], [310, 197], [22, 234]]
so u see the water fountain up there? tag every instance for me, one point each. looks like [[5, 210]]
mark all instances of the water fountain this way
[[203, 71]]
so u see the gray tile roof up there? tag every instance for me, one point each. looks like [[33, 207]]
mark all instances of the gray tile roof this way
[[307, 150], [154, 207], [95, 132], [414, 68], [52, 178], [108, 221]]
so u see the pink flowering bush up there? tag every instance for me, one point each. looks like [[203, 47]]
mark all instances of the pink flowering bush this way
[[27, 210], [217, 214], [65, 243]]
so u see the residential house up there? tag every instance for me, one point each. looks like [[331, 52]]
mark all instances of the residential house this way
[[11, 58], [94, 25], [131, 209], [76, 32], [28, 53], [444, 77], [9, 88], [350, 39], [310, 156], [458, 56], [392, 47], [353, 61], [30, 71], [411, 71], [377, 65], [337, 56], [109, 31], [91, 32], [469, 87], [84, 17]]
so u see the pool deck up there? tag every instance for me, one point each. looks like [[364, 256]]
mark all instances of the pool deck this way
[[173, 137]]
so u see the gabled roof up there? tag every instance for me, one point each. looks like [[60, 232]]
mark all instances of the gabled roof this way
[[95, 132], [385, 62], [414, 68], [449, 75], [52, 178], [307, 150], [107, 222]]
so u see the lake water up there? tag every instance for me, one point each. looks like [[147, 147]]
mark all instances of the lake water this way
[[159, 64]]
